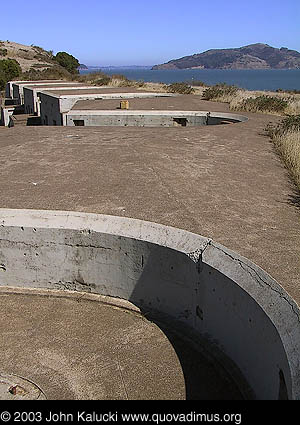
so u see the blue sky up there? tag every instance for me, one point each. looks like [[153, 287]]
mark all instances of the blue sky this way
[[144, 32]]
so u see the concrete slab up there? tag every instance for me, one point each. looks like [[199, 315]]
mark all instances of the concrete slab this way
[[54, 104], [174, 103], [9, 85], [225, 182], [93, 90], [71, 347]]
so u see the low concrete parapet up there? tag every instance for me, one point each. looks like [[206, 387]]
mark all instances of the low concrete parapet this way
[[215, 293], [146, 118]]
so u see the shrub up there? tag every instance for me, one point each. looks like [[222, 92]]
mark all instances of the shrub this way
[[139, 83], [181, 88], [9, 69], [68, 62], [196, 83], [41, 56], [40, 65], [264, 103], [90, 77], [289, 124], [120, 80], [3, 81], [219, 90], [104, 81], [53, 73], [3, 52], [288, 91], [40, 49], [119, 77]]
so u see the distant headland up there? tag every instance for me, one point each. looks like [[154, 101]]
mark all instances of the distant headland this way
[[253, 56]]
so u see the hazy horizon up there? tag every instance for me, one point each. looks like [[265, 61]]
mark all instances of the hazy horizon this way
[[148, 33]]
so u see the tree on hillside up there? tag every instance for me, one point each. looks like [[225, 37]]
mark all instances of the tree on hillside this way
[[67, 61], [9, 70]]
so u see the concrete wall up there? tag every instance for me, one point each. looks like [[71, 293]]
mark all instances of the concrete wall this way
[[208, 289], [50, 110], [149, 118], [6, 113], [8, 90], [32, 99], [9, 85], [55, 109], [18, 88], [29, 100]]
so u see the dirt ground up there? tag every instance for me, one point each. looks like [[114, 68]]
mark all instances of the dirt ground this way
[[225, 182]]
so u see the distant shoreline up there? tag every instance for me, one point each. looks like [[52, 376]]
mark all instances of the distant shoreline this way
[[120, 67], [249, 79]]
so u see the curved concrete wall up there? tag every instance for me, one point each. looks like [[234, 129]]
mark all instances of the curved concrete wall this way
[[144, 118], [208, 288]]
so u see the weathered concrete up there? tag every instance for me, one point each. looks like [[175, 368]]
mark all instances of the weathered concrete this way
[[144, 118], [6, 113], [53, 106], [31, 97], [84, 346], [9, 85], [18, 88], [210, 290], [222, 181]]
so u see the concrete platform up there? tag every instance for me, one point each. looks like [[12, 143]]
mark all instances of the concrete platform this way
[[225, 182], [77, 346]]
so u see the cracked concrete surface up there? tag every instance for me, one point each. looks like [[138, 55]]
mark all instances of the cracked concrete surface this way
[[257, 277]]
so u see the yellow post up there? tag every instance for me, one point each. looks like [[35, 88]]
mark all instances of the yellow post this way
[[124, 104]]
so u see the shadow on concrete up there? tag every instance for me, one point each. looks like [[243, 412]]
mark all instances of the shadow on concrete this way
[[34, 121], [204, 379], [205, 376], [19, 110]]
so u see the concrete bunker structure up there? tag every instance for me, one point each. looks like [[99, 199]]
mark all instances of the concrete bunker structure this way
[[18, 88], [212, 294], [14, 96], [144, 118], [54, 106], [32, 99], [9, 85]]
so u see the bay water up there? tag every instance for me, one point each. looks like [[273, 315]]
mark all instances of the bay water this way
[[250, 79]]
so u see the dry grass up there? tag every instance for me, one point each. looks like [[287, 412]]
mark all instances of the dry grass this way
[[199, 90], [237, 102], [286, 138], [293, 107], [156, 87], [288, 145], [27, 56], [121, 81]]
